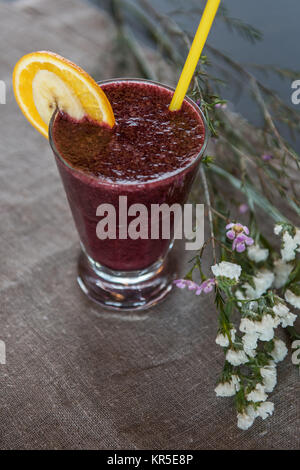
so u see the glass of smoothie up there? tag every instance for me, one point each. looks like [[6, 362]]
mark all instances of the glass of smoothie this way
[[151, 156]]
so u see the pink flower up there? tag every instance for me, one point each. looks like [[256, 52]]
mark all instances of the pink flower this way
[[231, 234], [191, 285], [206, 286], [243, 208], [238, 228], [266, 157], [221, 105], [240, 242], [238, 233], [181, 283]]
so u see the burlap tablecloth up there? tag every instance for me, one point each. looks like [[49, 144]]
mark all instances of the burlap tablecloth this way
[[79, 377]]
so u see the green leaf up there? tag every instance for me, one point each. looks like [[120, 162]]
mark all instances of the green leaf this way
[[295, 288], [225, 282], [207, 160]]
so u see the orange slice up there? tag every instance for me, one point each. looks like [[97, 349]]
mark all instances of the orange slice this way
[[44, 81]]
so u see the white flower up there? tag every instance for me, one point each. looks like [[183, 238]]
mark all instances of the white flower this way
[[252, 306], [281, 309], [292, 298], [226, 269], [250, 352], [258, 394], [286, 317], [225, 389], [250, 343], [247, 325], [246, 419], [262, 281], [265, 409], [250, 340], [236, 358], [264, 328], [290, 245], [223, 341], [269, 376], [228, 389], [257, 254], [282, 271], [236, 381], [289, 320], [280, 350], [277, 229]]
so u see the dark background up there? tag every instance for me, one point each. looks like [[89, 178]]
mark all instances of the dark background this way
[[279, 23]]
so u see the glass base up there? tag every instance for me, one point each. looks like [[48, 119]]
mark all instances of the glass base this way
[[126, 290]]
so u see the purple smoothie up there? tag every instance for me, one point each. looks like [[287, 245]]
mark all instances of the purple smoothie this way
[[150, 156]]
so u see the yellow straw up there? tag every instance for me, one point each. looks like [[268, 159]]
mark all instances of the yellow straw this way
[[194, 54]]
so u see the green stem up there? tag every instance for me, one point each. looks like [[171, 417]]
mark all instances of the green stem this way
[[131, 42], [260, 200]]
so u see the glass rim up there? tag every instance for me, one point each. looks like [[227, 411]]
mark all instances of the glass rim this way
[[105, 181]]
